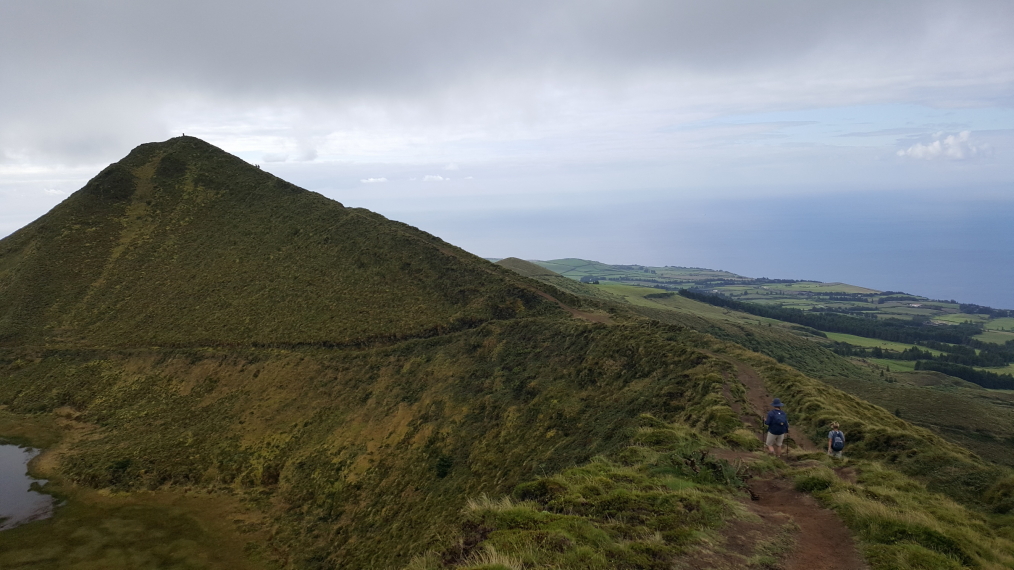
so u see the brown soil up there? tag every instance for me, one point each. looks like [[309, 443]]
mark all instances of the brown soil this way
[[820, 539], [793, 530], [760, 402], [847, 474], [823, 540]]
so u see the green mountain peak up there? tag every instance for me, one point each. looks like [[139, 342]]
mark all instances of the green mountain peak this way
[[181, 243]]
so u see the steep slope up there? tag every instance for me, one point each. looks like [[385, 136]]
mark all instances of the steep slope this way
[[181, 243], [209, 331], [559, 282], [526, 268]]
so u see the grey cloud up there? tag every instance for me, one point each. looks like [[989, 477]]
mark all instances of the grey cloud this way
[[85, 81], [394, 46]]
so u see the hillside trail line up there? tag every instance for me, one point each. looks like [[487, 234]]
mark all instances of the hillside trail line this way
[[575, 313], [822, 541]]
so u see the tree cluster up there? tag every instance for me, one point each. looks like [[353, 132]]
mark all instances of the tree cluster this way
[[990, 380]]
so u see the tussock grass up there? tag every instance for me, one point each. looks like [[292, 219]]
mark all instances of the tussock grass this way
[[367, 456], [501, 504], [356, 379], [901, 525], [638, 508], [489, 559]]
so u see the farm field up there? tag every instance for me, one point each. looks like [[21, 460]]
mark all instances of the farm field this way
[[1009, 369], [818, 287], [995, 336], [872, 342], [638, 296], [803, 295], [1003, 324], [958, 318], [667, 277]]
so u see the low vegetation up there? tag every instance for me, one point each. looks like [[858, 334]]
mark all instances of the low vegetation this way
[[191, 336], [181, 244], [645, 507]]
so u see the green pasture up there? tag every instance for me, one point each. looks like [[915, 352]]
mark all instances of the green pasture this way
[[1009, 369], [958, 318], [872, 342], [636, 295], [817, 287], [577, 268], [1005, 323], [995, 336], [909, 311]]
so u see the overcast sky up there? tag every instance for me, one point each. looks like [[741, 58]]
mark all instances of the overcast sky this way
[[420, 109]]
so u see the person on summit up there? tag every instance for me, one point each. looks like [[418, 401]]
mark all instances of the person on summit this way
[[778, 426]]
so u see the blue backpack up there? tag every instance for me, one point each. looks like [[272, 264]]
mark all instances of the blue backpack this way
[[837, 440], [779, 423]]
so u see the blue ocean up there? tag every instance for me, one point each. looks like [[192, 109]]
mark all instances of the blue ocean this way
[[937, 246]]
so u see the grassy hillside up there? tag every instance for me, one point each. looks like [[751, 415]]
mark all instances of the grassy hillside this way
[[561, 283], [182, 244], [960, 412], [231, 372], [364, 457]]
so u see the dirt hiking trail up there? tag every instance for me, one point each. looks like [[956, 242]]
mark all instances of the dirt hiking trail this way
[[795, 529]]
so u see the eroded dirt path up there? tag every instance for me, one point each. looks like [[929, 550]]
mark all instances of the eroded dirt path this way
[[759, 399], [823, 541], [793, 529]]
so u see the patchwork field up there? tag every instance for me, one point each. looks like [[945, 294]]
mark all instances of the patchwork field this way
[[872, 342], [995, 336], [1002, 324], [802, 295]]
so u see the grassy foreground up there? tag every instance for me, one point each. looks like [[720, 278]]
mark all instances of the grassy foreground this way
[[650, 505], [362, 458]]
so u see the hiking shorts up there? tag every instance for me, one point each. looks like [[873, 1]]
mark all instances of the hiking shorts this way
[[775, 440]]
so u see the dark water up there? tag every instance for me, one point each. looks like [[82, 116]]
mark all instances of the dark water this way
[[18, 503], [939, 246]]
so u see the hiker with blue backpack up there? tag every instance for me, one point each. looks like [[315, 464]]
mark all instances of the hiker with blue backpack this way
[[835, 441], [778, 426]]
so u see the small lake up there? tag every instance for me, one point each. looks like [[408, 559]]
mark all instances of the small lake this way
[[18, 502]]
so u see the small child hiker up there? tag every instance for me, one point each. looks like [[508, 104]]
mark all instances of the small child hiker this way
[[778, 426], [835, 441]]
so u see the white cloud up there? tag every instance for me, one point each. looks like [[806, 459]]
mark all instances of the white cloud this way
[[55, 192], [306, 155], [372, 180], [947, 147], [275, 157], [434, 178], [451, 166]]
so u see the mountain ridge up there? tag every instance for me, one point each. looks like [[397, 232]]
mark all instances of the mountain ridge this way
[[376, 398], [181, 243]]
